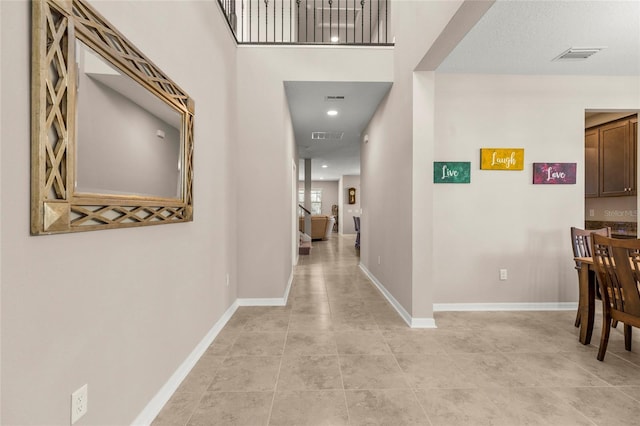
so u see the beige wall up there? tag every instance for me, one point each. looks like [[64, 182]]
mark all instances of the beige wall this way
[[502, 220], [265, 151], [387, 170], [119, 310]]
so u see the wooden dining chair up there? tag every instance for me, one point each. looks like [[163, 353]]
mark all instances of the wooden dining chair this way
[[581, 243], [617, 265]]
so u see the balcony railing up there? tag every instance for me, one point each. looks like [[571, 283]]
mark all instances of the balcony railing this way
[[336, 22]]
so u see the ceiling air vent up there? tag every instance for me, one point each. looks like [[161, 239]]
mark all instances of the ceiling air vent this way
[[327, 136], [578, 53], [334, 98]]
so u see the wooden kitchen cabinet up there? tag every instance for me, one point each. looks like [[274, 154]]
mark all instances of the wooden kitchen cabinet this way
[[591, 154], [634, 153], [610, 159]]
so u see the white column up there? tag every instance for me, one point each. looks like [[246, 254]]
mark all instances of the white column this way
[[307, 194]]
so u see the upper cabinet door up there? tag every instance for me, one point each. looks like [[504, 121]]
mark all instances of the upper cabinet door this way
[[633, 142], [591, 171], [616, 159]]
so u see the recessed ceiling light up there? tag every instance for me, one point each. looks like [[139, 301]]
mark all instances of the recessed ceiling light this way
[[324, 166], [335, 39], [332, 112], [321, 178]]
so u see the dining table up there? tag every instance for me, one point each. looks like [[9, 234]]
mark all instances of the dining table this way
[[586, 297]]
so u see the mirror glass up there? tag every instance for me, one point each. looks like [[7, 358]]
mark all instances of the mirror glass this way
[[128, 139]]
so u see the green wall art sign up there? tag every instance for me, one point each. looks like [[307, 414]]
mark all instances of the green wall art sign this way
[[451, 172]]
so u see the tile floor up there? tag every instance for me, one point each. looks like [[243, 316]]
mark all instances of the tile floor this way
[[338, 354]]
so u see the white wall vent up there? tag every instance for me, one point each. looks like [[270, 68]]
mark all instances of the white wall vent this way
[[578, 53], [327, 136]]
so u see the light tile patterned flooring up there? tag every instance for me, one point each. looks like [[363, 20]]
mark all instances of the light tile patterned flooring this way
[[338, 354]]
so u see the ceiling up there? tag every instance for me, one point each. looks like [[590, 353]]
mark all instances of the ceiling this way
[[523, 37], [512, 37], [308, 105]]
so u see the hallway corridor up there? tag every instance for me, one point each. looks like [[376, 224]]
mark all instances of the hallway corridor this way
[[338, 354]]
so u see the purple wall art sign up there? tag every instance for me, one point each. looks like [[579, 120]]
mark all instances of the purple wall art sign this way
[[554, 173]]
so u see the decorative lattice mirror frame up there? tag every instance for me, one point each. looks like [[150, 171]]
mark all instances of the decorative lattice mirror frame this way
[[55, 207]]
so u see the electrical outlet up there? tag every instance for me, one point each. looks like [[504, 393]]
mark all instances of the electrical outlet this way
[[592, 213], [503, 274], [378, 260], [227, 280], [79, 401]]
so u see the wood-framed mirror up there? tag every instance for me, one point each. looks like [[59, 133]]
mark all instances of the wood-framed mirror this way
[[112, 135]]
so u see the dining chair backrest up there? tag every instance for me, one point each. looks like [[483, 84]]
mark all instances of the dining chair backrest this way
[[581, 244], [617, 265], [581, 240]]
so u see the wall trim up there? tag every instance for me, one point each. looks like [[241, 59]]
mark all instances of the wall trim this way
[[272, 301], [411, 322], [156, 404], [534, 306]]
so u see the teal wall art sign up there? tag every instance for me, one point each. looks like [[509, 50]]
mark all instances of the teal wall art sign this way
[[451, 172]]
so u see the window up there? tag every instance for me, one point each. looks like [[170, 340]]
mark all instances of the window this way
[[316, 200]]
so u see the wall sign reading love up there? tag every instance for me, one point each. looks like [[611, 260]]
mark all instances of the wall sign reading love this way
[[554, 173], [451, 172], [502, 159]]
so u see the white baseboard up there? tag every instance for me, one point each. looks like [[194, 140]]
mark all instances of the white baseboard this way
[[411, 322], [154, 406], [288, 289], [273, 301], [423, 323], [541, 306]]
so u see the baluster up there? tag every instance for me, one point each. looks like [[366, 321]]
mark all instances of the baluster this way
[[314, 21], [386, 20], [258, 20], [298, 19], [378, 21], [266, 21], [362, 22], [354, 21], [330, 20], [322, 25], [339, 21]]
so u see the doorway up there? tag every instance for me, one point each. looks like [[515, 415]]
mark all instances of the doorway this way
[[611, 178]]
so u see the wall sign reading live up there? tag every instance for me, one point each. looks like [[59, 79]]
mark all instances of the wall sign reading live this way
[[451, 172], [554, 173], [502, 159]]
